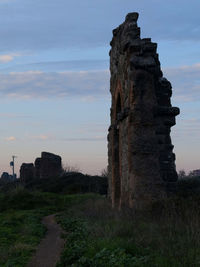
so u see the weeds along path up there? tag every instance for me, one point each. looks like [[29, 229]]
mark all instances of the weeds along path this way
[[50, 248]]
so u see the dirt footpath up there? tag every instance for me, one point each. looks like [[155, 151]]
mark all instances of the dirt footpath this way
[[50, 248]]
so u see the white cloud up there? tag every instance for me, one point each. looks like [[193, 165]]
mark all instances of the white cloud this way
[[8, 58], [40, 137], [37, 84], [5, 58], [10, 138], [185, 82], [88, 85]]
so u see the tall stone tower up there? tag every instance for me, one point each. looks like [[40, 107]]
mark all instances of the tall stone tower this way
[[141, 159]]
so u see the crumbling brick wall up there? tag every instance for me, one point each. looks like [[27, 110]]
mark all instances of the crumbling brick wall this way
[[141, 159]]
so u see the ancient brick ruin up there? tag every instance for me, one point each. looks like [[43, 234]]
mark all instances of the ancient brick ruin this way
[[141, 159], [49, 165], [27, 172]]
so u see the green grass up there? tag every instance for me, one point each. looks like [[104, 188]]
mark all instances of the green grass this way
[[20, 222], [167, 235], [20, 233]]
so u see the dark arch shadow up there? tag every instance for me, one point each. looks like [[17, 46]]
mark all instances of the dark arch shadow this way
[[116, 155]]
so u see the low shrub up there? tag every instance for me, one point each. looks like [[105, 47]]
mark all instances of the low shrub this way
[[189, 186]]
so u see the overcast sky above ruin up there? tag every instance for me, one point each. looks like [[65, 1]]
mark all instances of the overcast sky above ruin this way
[[54, 76]]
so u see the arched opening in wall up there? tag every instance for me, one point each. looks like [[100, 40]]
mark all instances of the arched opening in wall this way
[[118, 106], [117, 156]]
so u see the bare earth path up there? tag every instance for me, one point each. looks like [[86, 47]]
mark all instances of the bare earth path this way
[[50, 248]]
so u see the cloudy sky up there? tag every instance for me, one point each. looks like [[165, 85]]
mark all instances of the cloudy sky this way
[[54, 76]]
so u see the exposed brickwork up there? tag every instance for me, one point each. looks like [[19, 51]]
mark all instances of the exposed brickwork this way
[[141, 159]]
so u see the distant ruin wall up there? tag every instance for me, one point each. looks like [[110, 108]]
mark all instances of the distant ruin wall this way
[[141, 159], [27, 172], [49, 165]]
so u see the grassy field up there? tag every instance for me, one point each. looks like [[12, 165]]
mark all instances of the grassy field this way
[[166, 235], [21, 230], [20, 233]]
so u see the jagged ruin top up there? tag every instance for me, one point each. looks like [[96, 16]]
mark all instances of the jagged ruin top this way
[[126, 38]]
